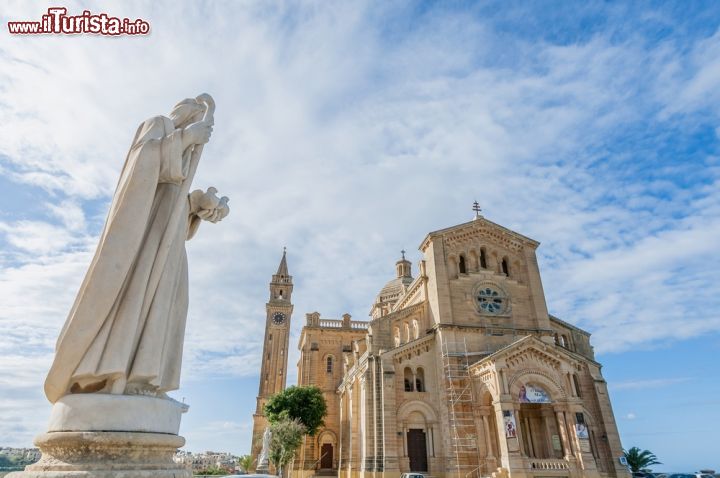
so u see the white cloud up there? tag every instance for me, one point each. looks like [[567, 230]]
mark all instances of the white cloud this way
[[347, 147], [643, 384]]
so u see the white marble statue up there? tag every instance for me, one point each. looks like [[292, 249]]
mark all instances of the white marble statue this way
[[263, 460], [124, 334]]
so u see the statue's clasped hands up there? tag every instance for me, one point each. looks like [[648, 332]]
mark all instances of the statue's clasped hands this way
[[207, 206], [197, 133]]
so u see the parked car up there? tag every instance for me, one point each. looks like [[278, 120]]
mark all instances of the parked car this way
[[413, 475]]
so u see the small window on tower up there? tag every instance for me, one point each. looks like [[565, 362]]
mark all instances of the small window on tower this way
[[420, 380], [408, 380], [505, 268], [329, 365], [483, 259], [461, 265]]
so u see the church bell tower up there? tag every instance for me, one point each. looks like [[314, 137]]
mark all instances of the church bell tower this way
[[273, 373]]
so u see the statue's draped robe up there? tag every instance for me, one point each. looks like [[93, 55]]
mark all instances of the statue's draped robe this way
[[125, 323]]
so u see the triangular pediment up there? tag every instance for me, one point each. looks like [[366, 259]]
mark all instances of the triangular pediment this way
[[526, 351], [481, 227]]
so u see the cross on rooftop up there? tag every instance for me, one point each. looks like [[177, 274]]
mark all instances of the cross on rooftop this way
[[403, 253], [476, 208]]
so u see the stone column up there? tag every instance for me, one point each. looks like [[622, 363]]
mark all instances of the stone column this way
[[584, 455], [509, 448], [531, 450], [547, 416], [390, 450], [567, 451], [488, 438]]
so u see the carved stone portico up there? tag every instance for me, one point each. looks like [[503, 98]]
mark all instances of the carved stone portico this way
[[547, 440]]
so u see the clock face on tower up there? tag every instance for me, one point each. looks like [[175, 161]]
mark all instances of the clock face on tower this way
[[278, 318]]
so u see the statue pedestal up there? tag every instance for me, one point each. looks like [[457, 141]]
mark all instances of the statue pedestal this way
[[263, 468], [110, 436], [106, 455]]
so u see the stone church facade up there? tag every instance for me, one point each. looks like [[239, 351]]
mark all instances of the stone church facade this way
[[461, 372]]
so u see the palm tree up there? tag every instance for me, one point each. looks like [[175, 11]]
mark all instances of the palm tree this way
[[245, 463], [640, 460]]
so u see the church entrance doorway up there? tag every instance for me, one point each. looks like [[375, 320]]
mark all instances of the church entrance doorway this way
[[540, 432], [326, 456], [417, 449]]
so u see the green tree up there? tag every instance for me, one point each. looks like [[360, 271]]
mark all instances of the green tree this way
[[306, 404], [213, 471], [287, 435], [640, 460], [245, 462]]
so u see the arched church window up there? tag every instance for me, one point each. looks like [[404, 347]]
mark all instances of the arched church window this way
[[576, 384], [408, 380], [483, 258], [420, 380], [329, 364], [461, 265], [505, 267]]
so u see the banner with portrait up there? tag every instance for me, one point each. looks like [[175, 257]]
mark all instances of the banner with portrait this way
[[581, 430], [533, 394], [509, 424]]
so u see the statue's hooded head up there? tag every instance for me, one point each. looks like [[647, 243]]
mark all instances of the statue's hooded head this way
[[186, 112]]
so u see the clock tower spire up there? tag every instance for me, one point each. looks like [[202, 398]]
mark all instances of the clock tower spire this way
[[273, 371]]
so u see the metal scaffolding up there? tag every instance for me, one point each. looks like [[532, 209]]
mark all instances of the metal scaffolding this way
[[463, 439]]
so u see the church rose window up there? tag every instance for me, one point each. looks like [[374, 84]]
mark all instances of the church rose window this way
[[490, 301]]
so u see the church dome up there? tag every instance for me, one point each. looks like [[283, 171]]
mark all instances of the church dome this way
[[394, 289]]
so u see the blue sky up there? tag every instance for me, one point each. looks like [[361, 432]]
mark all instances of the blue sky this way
[[346, 132]]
